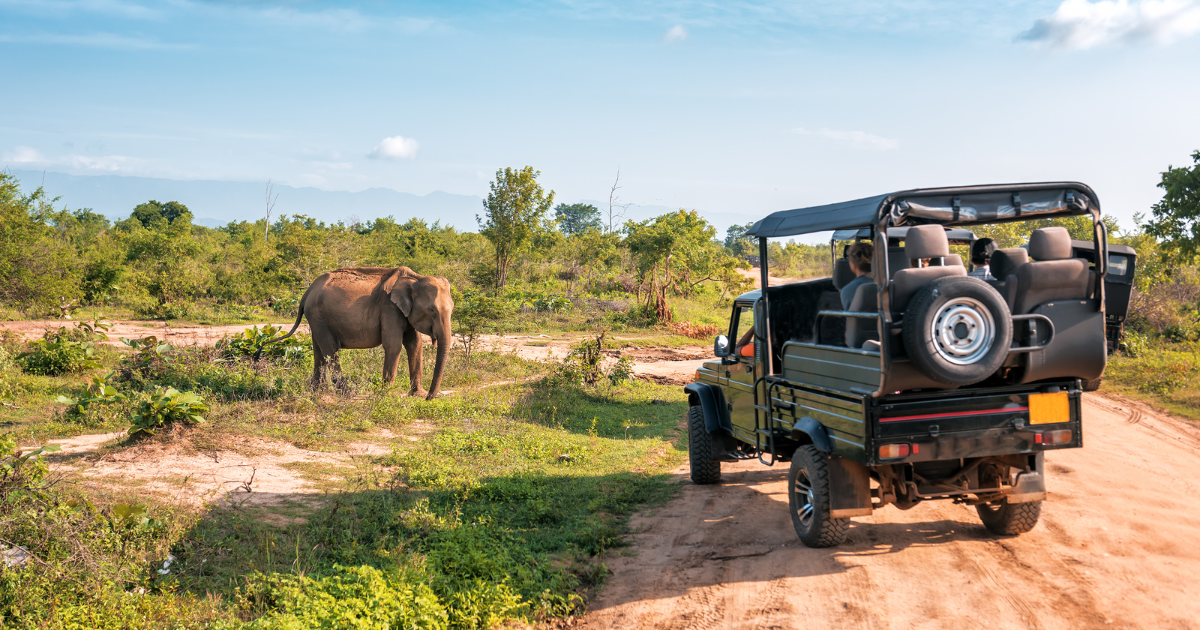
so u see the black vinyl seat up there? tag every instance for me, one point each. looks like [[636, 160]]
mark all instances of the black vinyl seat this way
[[924, 241]]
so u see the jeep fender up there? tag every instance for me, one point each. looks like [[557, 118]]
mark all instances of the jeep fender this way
[[808, 430], [711, 399]]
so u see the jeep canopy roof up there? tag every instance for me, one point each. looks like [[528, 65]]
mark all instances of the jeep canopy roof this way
[[949, 206]]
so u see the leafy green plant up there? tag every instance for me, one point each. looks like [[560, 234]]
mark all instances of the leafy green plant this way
[[166, 408], [585, 364], [62, 351], [474, 313], [21, 474], [254, 340]]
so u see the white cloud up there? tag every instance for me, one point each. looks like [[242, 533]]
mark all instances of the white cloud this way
[[856, 138], [675, 34], [94, 40], [23, 155], [1080, 24], [395, 148]]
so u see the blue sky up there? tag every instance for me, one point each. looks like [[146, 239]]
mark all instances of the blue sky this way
[[723, 107]]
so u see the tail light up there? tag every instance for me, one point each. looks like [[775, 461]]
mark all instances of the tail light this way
[[1061, 436], [893, 451]]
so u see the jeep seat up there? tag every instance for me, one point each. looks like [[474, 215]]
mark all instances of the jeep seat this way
[[925, 241], [859, 331], [1054, 274], [897, 260], [842, 274], [1004, 265]]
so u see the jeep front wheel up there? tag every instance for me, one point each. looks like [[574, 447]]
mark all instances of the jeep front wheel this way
[[808, 498], [704, 469], [1009, 519]]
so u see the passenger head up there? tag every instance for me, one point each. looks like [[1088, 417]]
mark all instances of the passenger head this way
[[859, 254], [981, 251]]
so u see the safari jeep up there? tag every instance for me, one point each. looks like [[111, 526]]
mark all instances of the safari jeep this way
[[931, 384]]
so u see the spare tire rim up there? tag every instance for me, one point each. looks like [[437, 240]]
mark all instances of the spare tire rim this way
[[963, 331]]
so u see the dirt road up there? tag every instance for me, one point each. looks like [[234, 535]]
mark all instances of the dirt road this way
[[1118, 546]]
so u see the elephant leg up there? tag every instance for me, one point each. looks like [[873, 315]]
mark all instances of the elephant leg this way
[[318, 366], [413, 346], [325, 358], [391, 359]]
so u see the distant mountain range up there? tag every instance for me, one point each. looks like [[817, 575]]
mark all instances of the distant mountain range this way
[[216, 203]]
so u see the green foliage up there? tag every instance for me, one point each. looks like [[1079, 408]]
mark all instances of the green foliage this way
[[153, 214], [577, 218], [1176, 218], [351, 597], [253, 341], [22, 475], [99, 391], [584, 364], [62, 351], [739, 243], [515, 211], [476, 313], [165, 408], [37, 265]]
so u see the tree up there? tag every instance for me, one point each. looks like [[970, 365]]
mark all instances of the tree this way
[[1176, 219], [36, 269], [577, 217], [155, 212], [738, 243], [675, 251], [516, 210]]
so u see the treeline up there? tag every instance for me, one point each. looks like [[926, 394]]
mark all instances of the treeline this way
[[158, 264]]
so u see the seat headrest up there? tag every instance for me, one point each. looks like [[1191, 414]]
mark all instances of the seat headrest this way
[[928, 241], [1006, 261], [1052, 243], [842, 273], [953, 260]]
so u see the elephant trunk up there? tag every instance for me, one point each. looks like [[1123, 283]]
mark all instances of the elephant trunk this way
[[442, 339]]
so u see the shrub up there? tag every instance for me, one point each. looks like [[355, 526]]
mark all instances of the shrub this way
[[253, 341], [352, 597], [585, 364], [22, 475], [61, 351], [695, 331], [168, 407]]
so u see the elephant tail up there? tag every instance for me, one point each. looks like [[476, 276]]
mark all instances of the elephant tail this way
[[299, 316]]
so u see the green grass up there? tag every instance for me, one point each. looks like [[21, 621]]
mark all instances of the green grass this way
[[497, 512], [1165, 374]]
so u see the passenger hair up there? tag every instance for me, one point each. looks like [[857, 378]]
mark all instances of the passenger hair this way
[[860, 255], [982, 250]]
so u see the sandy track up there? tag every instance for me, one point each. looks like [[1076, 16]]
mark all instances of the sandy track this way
[[1118, 546]]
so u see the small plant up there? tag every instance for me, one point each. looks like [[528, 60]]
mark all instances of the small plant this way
[[99, 392], [64, 350], [166, 408], [585, 363], [473, 313], [21, 474], [148, 360], [253, 341]]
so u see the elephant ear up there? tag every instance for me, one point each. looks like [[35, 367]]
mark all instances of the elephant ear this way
[[401, 295]]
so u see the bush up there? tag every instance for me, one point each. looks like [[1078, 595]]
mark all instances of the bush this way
[[253, 341], [168, 407], [585, 364], [62, 351], [22, 475], [352, 597]]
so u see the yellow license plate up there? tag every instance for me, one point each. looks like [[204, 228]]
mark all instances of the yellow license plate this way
[[1049, 408]]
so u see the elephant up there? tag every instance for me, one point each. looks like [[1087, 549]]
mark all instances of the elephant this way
[[364, 307]]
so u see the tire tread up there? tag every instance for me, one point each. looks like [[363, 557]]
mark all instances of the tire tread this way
[[704, 470], [1010, 519], [833, 531]]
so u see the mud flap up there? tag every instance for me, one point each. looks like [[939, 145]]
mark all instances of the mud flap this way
[[849, 488], [1031, 486]]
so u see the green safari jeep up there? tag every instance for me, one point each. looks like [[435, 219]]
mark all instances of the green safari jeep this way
[[927, 382]]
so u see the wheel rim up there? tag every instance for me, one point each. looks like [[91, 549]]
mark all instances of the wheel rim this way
[[803, 493], [962, 331]]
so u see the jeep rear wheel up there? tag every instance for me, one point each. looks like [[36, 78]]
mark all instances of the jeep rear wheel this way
[[808, 498], [704, 469], [1009, 519]]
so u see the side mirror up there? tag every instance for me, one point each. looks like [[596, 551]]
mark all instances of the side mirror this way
[[721, 346]]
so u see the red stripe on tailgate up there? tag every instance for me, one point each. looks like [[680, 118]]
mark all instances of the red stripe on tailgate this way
[[956, 414]]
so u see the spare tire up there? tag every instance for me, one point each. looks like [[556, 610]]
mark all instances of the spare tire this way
[[957, 330]]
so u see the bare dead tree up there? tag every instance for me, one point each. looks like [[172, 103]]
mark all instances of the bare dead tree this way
[[270, 206], [616, 209]]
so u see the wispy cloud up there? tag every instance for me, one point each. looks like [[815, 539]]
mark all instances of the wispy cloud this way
[[1080, 24], [70, 8], [395, 148], [860, 139], [94, 40], [23, 155], [675, 34], [29, 156]]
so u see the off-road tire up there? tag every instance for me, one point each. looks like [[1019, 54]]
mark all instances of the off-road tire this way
[[704, 469], [1091, 385], [1009, 519], [963, 299], [811, 499]]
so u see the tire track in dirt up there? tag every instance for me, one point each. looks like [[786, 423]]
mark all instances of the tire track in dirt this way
[[1115, 549]]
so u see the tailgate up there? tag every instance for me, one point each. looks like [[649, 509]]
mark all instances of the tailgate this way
[[1025, 410]]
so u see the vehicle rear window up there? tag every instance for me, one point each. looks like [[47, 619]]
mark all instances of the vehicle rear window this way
[[1118, 265]]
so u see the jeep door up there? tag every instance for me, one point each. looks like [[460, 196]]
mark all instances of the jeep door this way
[[740, 376]]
